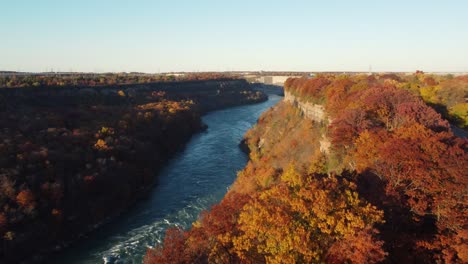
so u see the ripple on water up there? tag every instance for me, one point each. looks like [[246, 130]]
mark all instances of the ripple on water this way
[[136, 241], [195, 179]]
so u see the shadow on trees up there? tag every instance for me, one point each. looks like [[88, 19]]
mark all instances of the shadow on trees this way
[[401, 230], [442, 109]]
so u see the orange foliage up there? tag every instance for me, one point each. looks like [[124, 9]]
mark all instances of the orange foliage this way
[[299, 219], [25, 198], [361, 247], [172, 253], [390, 132], [3, 221], [383, 136]]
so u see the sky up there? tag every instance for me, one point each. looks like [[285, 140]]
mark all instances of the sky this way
[[217, 35]]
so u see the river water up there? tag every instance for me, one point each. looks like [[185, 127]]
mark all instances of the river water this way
[[195, 179]]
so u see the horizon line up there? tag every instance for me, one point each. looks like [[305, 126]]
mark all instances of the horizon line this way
[[226, 71]]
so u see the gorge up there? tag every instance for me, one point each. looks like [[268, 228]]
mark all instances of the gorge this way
[[74, 158], [347, 169], [194, 180], [352, 169]]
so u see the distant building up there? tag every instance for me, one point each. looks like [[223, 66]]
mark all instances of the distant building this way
[[174, 74], [267, 79], [279, 80]]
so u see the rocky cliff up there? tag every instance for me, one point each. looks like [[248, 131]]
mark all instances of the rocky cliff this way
[[391, 189], [313, 112]]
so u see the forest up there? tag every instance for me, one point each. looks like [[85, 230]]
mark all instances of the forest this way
[[380, 178], [72, 159], [17, 80]]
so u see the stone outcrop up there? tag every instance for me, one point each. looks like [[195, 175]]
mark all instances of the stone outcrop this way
[[315, 112], [312, 111]]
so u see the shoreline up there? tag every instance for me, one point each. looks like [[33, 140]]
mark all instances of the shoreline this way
[[142, 194]]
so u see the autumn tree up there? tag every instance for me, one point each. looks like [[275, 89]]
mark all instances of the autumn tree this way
[[25, 198], [393, 180], [298, 221]]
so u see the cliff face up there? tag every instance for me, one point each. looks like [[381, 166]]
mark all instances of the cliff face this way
[[282, 208], [392, 187], [315, 112]]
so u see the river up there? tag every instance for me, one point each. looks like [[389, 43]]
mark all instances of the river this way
[[459, 132], [195, 179]]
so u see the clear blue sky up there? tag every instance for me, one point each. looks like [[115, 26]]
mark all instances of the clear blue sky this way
[[219, 35]]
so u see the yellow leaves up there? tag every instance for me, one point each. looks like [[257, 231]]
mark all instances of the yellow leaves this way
[[101, 145], [429, 94], [318, 163], [391, 82], [196, 224], [172, 110], [460, 112], [297, 219], [104, 139], [9, 236], [167, 107], [352, 198], [121, 93], [292, 177], [159, 106], [106, 131]]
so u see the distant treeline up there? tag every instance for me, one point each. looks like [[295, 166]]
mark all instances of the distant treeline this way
[[12, 80]]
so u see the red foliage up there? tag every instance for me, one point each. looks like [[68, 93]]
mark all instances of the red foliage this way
[[385, 137], [358, 248], [204, 241], [430, 81], [393, 134], [307, 86], [173, 252]]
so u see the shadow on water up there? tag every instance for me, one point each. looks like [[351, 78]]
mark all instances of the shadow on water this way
[[194, 180]]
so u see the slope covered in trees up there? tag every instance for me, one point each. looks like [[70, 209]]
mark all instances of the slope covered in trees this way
[[21, 80], [72, 158], [391, 187]]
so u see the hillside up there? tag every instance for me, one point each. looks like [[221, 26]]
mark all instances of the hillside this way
[[344, 170], [73, 158]]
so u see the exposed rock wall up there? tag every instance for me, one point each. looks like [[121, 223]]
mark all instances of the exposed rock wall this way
[[315, 112], [312, 111]]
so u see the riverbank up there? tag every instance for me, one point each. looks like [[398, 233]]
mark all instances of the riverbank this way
[[74, 158], [197, 177], [459, 132], [344, 170]]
